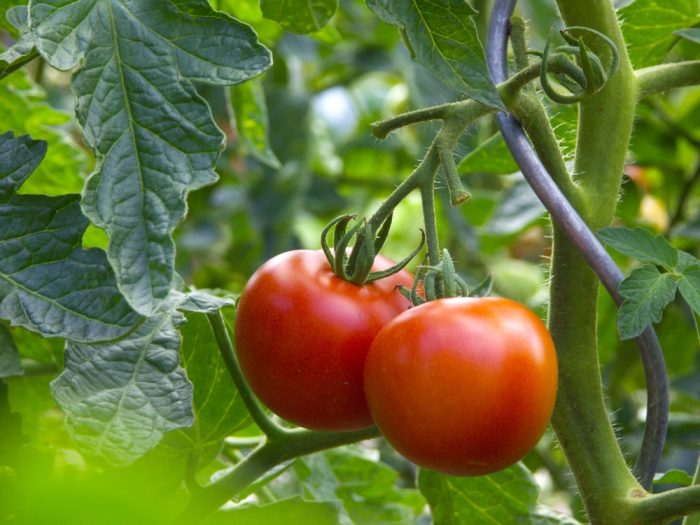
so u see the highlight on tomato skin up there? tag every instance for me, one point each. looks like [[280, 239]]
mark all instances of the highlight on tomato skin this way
[[302, 335], [464, 386]]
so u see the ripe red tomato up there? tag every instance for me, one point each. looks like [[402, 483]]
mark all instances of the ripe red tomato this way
[[302, 335], [464, 386]]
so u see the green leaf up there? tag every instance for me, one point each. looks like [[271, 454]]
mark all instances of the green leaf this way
[[199, 301], [441, 35], [685, 261], [121, 397], [518, 208], [505, 497], [492, 156], [24, 109], [11, 14], [10, 364], [300, 16], [692, 34], [19, 54], [48, 283], [19, 157], [219, 410], [646, 292], [18, 17], [674, 477], [689, 286], [648, 27], [250, 116], [367, 488], [641, 244], [153, 135], [292, 511]]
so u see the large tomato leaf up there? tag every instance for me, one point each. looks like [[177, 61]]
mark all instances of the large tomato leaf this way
[[153, 135], [48, 283], [121, 397], [442, 36]]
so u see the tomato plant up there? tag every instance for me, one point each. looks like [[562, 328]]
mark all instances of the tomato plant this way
[[155, 153], [463, 385], [302, 334]]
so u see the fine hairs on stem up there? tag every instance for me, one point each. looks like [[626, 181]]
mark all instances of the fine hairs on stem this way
[[566, 217]]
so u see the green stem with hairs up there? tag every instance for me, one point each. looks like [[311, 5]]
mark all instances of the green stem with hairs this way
[[666, 506], [657, 79], [268, 455], [468, 110], [694, 519], [580, 417]]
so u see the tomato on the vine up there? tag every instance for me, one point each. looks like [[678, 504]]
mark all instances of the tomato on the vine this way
[[464, 386], [302, 335]]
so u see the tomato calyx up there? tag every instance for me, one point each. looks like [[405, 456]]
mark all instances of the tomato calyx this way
[[355, 264], [442, 281]]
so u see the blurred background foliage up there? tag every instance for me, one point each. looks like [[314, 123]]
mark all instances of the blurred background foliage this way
[[299, 153]]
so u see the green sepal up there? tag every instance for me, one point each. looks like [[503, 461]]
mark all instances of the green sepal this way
[[484, 288], [340, 249], [355, 265], [383, 233], [362, 255], [340, 224], [374, 276]]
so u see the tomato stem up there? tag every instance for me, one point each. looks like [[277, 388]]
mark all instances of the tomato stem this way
[[456, 117], [466, 111], [694, 519], [271, 429], [269, 454], [657, 79], [598, 465], [666, 506]]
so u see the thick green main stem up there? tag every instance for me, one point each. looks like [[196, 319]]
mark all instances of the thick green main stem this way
[[606, 118], [580, 417]]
